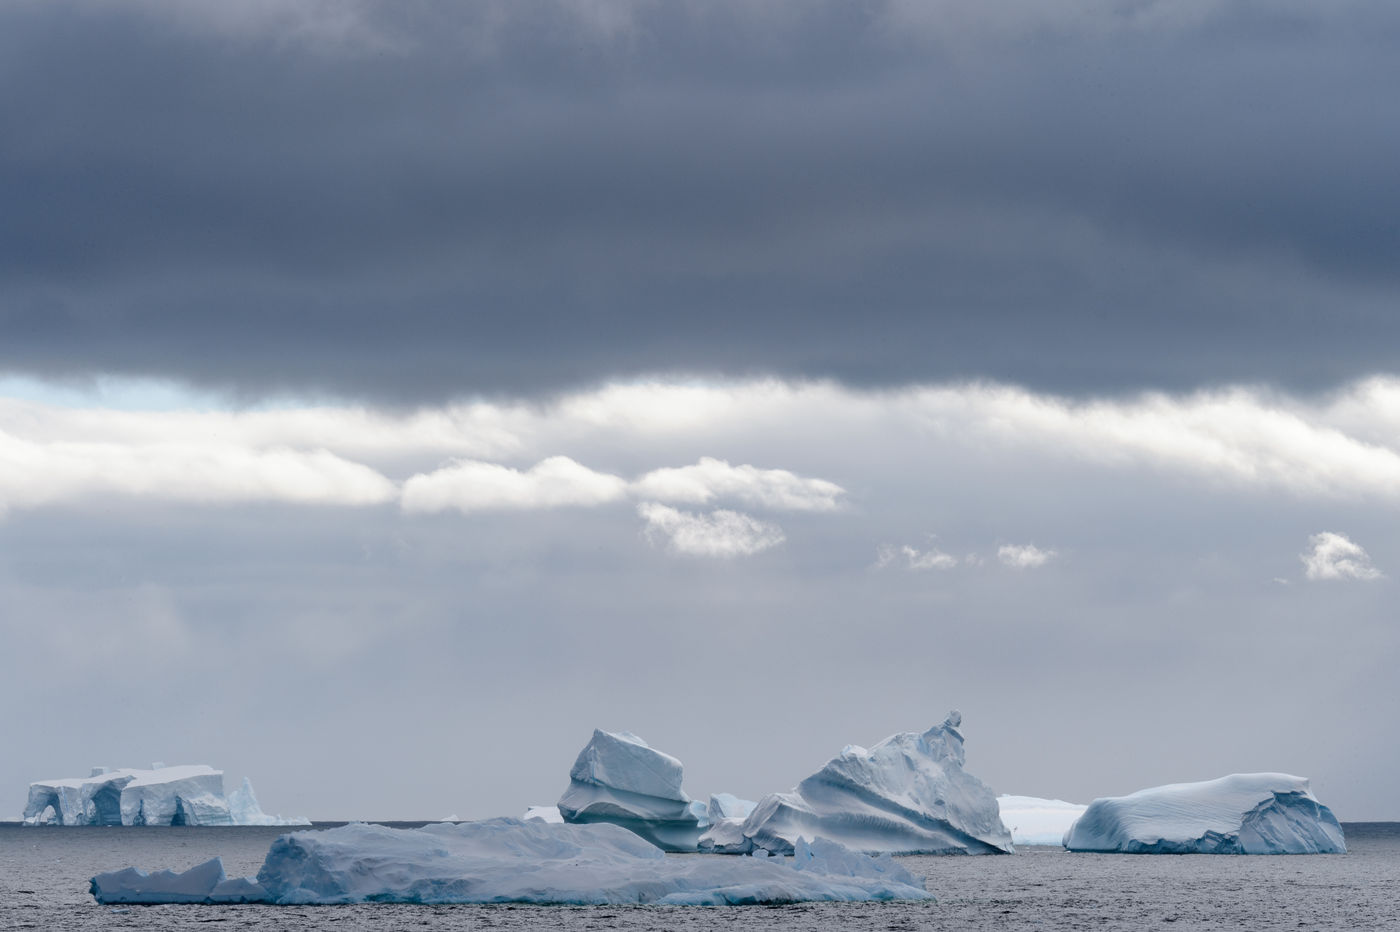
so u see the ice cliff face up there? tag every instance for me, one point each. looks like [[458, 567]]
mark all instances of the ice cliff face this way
[[507, 861], [907, 795], [184, 795], [1248, 813], [619, 778]]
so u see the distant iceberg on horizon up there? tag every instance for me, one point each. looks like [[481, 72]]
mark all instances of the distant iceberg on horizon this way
[[510, 861], [187, 794], [1244, 813], [1035, 821]]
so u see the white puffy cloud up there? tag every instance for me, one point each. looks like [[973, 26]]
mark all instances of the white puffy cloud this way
[[1024, 556], [913, 558], [717, 534], [712, 478], [471, 485], [1335, 556]]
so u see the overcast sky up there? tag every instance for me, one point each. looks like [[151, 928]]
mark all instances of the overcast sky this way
[[392, 393]]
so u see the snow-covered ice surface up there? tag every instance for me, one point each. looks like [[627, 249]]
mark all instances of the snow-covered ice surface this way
[[618, 778], [907, 795], [1035, 821], [189, 794], [1245, 813], [509, 861]]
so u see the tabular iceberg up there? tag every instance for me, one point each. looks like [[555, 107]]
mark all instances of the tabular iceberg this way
[[508, 861], [907, 795], [191, 794], [619, 778], [1035, 821], [1245, 813]]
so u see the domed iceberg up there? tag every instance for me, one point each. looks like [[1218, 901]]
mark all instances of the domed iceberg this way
[[1244, 813], [907, 795]]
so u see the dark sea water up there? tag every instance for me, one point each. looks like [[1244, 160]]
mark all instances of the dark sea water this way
[[44, 876]]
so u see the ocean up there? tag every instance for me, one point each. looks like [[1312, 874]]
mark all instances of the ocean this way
[[44, 876]]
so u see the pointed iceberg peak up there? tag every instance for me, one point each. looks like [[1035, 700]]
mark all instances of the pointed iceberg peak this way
[[909, 794], [945, 741]]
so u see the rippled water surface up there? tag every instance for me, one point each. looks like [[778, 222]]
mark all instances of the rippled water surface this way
[[44, 876]]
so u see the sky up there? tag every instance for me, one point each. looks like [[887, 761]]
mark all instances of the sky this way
[[391, 394]]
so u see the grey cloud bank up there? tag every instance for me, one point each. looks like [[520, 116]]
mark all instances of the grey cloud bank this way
[[413, 203]]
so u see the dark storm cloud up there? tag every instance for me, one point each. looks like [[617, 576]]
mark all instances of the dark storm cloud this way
[[459, 198]]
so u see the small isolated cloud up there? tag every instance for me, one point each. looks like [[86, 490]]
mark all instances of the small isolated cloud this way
[[471, 485], [717, 534], [915, 559], [1335, 556], [711, 478], [1024, 556]]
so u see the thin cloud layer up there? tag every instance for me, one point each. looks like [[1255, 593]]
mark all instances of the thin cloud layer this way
[[721, 533], [1345, 446], [1336, 557], [182, 470]]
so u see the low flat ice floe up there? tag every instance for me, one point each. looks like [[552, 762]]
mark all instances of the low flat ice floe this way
[[509, 861]]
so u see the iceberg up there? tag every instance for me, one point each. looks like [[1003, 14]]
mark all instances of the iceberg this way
[[509, 861], [1035, 821], [542, 814], [725, 834], [1244, 813], [620, 779], [907, 795], [191, 794]]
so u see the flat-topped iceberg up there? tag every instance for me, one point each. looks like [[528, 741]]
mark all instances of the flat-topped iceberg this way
[[1245, 813], [190, 794], [907, 795], [1035, 821], [509, 861], [620, 779]]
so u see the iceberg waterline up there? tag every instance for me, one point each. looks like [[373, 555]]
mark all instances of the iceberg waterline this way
[[1249, 813], [507, 860], [188, 794]]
